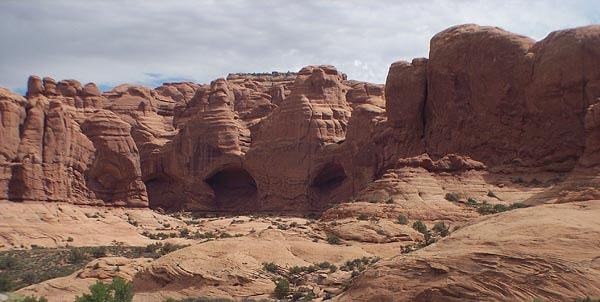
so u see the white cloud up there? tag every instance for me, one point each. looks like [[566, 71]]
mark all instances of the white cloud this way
[[112, 42]]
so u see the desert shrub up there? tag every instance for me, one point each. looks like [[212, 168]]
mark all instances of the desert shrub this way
[[270, 267], [167, 248], [297, 296], [517, 205], [99, 252], [184, 233], [70, 239], [34, 299], [295, 270], [333, 239], [517, 180], [472, 202], [117, 291], [380, 232], [402, 219], [324, 265], [373, 201], [420, 227], [492, 194], [452, 197], [441, 228], [5, 284], [282, 288], [500, 208], [407, 249], [225, 235], [333, 268], [390, 201], [76, 256], [7, 262], [363, 217]]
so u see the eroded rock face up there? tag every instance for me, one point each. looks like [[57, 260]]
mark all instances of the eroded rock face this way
[[48, 157], [485, 100], [289, 157], [525, 106], [114, 175]]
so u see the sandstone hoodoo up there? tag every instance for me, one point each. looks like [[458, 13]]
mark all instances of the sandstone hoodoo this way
[[471, 175]]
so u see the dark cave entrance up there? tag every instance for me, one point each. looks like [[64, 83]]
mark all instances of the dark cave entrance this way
[[160, 192], [233, 187], [329, 177]]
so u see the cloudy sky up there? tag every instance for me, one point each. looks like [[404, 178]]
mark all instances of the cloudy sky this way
[[150, 42]]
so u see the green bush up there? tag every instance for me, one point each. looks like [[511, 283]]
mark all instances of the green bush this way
[[117, 291], [363, 217], [441, 228], [333, 268], [34, 299], [402, 219], [282, 288], [333, 239], [420, 227], [270, 267]]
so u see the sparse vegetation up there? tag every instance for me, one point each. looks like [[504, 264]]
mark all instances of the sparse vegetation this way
[[402, 219], [282, 288], [492, 194], [441, 228], [21, 268], [359, 264], [362, 216], [452, 197], [117, 291], [486, 208], [270, 267], [333, 239], [419, 226], [34, 299]]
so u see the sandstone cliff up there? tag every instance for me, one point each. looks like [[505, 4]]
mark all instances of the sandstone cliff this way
[[303, 141]]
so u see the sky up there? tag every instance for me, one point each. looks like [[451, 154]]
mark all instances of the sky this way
[[149, 42]]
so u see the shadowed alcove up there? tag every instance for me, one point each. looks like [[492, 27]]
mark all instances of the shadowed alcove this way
[[233, 187], [329, 177]]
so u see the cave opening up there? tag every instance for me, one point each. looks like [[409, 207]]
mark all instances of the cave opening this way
[[234, 187], [330, 176]]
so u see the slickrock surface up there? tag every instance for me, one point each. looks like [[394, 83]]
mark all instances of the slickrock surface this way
[[542, 252], [76, 284]]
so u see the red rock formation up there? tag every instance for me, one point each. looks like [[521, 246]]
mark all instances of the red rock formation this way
[[48, 158], [114, 175], [485, 99], [210, 143], [288, 158]]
